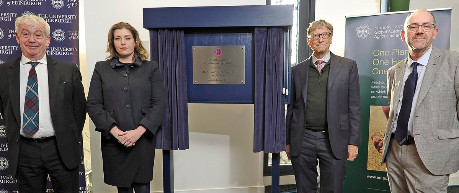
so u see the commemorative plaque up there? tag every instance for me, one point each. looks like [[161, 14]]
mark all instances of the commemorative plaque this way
[[219, 64]]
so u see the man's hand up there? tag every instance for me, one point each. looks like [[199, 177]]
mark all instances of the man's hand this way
[[378, 143], [353, 151], [287, 150]]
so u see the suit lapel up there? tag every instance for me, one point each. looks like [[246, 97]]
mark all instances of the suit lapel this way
[[335, 68], [430, 74], [14, 88], [398, 78], [53, 80], [304, 78]]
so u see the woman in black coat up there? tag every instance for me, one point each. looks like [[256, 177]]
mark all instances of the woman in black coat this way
[[126, 102]]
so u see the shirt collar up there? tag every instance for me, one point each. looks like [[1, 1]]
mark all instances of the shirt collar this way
[[326, 58], [115, 62], [24, 60], [424, 60]]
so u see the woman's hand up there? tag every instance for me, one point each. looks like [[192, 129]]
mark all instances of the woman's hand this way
[[118, 134], [133, 135]]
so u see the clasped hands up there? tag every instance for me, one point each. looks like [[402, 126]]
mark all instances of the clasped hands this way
[[128, 138]]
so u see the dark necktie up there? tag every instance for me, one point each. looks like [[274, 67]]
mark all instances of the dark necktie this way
[[30, 117], [401, 133], [319, 65]]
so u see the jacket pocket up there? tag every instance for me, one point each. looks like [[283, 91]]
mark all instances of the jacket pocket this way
[[448, 134]]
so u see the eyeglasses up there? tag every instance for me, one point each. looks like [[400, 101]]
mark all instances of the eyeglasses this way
[[425, 26], [325, 35]]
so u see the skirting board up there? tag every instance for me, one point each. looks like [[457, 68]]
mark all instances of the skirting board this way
[[258, 189]]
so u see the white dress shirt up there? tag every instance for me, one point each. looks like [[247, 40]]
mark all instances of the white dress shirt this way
[[408, 69], [46, 128], [326, 58]]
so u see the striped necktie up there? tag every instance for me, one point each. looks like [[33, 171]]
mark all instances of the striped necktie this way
[[319, 65], [30, 116]]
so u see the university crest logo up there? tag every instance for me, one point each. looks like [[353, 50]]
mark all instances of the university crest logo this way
[[363, 31], [57, 4], [59, 35], [3, 163]]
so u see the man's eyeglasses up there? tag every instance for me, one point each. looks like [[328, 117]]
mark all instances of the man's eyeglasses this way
[[325, 35], [425, 26]]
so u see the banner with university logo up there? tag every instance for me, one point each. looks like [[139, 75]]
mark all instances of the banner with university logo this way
[[63, 17], [374, 42]]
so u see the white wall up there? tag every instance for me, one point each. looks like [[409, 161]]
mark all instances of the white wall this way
[[454, 42], [335, 12], [220, 158]]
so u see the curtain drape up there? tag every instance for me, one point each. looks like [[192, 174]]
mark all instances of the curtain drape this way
[[269, 133], [168, 49]]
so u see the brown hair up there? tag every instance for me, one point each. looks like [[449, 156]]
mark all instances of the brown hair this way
[[139, 49]]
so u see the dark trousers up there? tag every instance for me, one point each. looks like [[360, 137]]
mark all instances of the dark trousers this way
[[37, 160], [316, 149]]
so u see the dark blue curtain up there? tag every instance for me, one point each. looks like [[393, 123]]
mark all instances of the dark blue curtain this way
[[306, 15], [168, 49], [269, 134]]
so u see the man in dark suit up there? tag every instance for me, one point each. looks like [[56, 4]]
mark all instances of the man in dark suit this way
[[421, 142], [323, 117], [43, 103]]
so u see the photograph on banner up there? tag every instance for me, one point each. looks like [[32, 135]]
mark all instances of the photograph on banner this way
[[376, 127]]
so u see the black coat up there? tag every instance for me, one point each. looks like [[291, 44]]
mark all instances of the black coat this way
[[127, 96]]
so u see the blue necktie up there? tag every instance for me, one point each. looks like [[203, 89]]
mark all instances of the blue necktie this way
[[30, 117], [401, 133]]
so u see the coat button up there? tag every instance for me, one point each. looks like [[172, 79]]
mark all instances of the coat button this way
[[128, 106], [125, 89], [125, 74]]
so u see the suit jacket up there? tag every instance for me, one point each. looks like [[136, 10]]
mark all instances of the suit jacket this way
[[435, 121], [67, 105], [343, 105], [127, 97]]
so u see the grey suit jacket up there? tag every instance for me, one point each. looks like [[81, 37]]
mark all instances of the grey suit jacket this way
[[435, 123], [343, 105], [67, 105]]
